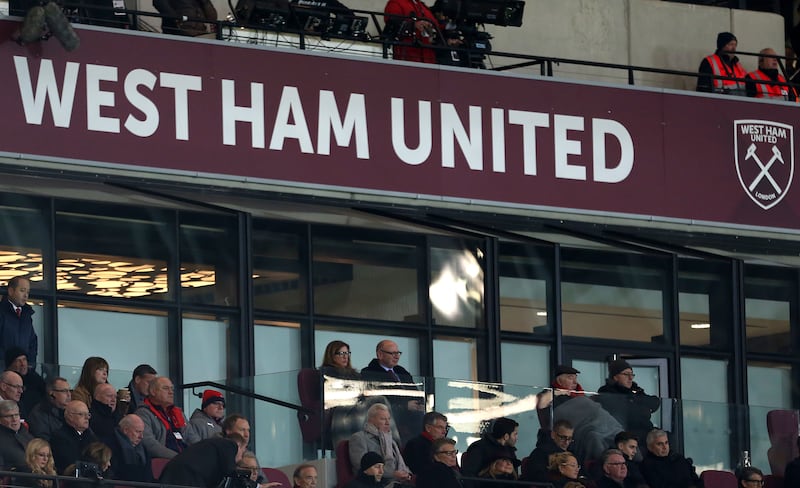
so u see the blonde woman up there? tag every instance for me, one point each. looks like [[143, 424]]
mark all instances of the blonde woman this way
[[39, 460]]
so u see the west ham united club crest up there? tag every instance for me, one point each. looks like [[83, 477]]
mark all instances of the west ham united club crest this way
[[764, 152]]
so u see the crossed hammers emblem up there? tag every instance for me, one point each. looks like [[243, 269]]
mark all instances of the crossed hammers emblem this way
[[776, 156]]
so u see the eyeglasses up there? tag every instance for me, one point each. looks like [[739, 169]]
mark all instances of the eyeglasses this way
[[449, 453], [572, 465], [10, 416], [62, 390], [342, 353], [629, 375], [565, 438], [760, 482], [82, 414], [393, 353], [16, 387]]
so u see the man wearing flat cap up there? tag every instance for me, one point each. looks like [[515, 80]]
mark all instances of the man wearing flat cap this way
[[371, 474], [722, 63], [626, 401], [206, 421]]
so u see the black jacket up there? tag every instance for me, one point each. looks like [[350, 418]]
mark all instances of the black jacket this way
[[67, 445], [375, 372], [480, 452], [12, 447], [671, 471], [17, 331], [365, 481], [417, 454], [104, 420], [205, 463], [129, 463], [535, 468], [439, 475], [44, 419], [630, 406]]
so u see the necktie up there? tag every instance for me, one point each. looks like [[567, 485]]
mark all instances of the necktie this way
[[394, 375], [19, 311]]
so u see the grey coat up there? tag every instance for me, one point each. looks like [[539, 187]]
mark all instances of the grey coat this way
[[201, 426], [363, 442], [155, 435]]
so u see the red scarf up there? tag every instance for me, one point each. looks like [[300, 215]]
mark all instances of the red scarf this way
[[578, 391], [176, 419]]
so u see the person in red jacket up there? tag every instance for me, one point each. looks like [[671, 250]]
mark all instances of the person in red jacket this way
[[722, 63], [413, 25], [768, 71]]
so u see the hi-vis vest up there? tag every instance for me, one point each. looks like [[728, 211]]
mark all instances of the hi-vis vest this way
[[719, 68], [769, 91]]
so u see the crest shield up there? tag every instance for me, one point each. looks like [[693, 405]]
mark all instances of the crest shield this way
[[764, 156]]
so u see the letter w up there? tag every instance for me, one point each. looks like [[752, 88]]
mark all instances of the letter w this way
[[46, 87]]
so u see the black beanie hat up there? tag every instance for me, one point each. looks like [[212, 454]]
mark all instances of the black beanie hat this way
[[13, 353], [370, 459], [723, 38], [617, 366]]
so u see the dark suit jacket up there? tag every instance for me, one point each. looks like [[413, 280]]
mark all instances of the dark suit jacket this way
[[17, 331], [205, 463], [12, 447], [129, 463], [67, 446]]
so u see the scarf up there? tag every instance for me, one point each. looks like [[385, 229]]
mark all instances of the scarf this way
[[173, 420], [385, 439], [578, 391]]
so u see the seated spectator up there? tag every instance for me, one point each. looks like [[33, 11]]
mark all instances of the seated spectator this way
[[97, 454], [377, 437], [615, 471], [628, 445], [536, 467], [105, 415], [563, 468], [594, 428], [73, 437], [501, 467], [626, 401], [14, 437], [791, 475], [767, 71], [139, 385], [164, 423], [11, 386], [186, 17], [722, 63], [206, 421], [502, 437], [336, 361], [752, 477], [236, 424], [249, 463], [304, 476], [413, 25], [370, 474], [665, 469], [94, 372], [417, 452], [443, 471], [38, 460], [48, 415], [129, 459], [17, 361], [206, 463]]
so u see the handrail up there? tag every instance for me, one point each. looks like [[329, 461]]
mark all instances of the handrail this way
[[94, 481], [247, 393]]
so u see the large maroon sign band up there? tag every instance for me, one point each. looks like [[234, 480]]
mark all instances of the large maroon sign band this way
[[243, 111]]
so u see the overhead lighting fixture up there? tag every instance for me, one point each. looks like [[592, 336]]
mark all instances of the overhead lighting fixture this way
[[701, 326], [541, 314]]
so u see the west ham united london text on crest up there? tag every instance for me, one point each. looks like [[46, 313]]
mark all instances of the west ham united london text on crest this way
[[764, 154]]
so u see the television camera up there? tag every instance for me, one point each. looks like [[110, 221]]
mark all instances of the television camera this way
[[463, 18], [325, 18]]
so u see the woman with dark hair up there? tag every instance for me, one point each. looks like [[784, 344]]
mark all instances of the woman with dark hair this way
[[750, 477], [336, 361], [444, 471], [38, 460], [94, 372]]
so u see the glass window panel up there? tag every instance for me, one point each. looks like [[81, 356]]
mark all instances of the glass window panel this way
[[125, 337], [526, 365], [769, 387], [125, 257], [205, 346], [706, 425], [525, 288], [768, 326], [23, 236], [279, 272], [367, 278], [613, 296], [705, 302], [277, 346], [209, 260], [455, 358], [457, 285]]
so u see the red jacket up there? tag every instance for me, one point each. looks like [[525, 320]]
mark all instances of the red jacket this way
[[403, 13]]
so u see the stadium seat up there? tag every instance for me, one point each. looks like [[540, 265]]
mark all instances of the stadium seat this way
[[713, 478], [782, 427], [157, 464], [773, 481], [276, 475], [344, 470]]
